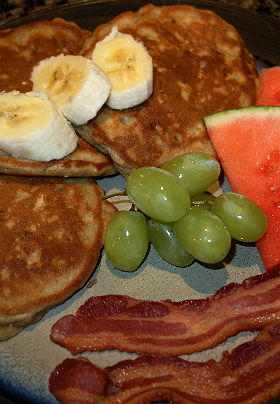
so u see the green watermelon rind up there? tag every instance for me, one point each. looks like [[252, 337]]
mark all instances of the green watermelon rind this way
[[255, 111]]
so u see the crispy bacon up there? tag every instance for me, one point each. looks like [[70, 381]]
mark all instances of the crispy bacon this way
[[249, 374], [170, 328]]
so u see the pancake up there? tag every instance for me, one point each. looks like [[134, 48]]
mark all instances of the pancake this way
[[201, 66], [51, 234], [21, 49]]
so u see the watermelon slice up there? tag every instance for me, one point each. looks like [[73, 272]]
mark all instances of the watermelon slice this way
[[269, 88], [247, 142]]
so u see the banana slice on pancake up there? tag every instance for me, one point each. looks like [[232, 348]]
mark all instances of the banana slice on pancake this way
[[128, 66], [31, 127], [76, 86]]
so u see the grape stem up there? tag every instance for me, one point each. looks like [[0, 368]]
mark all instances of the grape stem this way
[[202, 202], [123, 193], [107, 196]]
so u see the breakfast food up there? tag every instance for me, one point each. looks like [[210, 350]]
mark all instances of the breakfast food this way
[[23, 48], [32, 128], [269, 88], [129, 233], [158, 194], [76, 86], [75, 384], [128, 66], [85, 161], [164, 240], [52, 230], [254, 174], [183, 218], [200, 66], [170, 328], [248, 374], [197, 171]]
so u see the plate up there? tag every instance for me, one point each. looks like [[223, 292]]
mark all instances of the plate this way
[[28, 359]]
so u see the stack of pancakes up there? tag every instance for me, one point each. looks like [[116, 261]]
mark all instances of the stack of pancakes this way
[[52, 228], [201, 66], [20, 50]]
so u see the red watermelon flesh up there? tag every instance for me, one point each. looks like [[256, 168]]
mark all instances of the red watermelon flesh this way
[[269, 87], [247, 142]]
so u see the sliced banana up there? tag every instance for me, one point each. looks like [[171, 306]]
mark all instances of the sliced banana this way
[[128, 66], [76, 86], [31, 128]]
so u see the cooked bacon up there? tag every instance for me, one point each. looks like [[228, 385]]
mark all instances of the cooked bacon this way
[[170, 328], [250, 374]]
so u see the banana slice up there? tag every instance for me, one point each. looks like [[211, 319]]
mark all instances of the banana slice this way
[[128, 66], [76, 86], [31, 128]]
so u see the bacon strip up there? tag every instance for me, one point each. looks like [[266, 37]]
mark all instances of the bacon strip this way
[[249, 374], [170, 328]]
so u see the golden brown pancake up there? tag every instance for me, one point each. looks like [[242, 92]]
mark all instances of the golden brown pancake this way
[[201, 66], [51, 233], [20, 50], [85, 161]]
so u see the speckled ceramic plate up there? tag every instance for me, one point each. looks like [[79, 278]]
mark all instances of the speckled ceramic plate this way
[[27, 360]]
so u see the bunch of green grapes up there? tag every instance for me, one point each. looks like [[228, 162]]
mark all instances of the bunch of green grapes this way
[[179, 218]]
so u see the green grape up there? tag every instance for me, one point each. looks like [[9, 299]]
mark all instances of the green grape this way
[[127, 239], [164, 240], [197, 171], [204, 200], [158, 194], [203, 235], [244, 219]]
